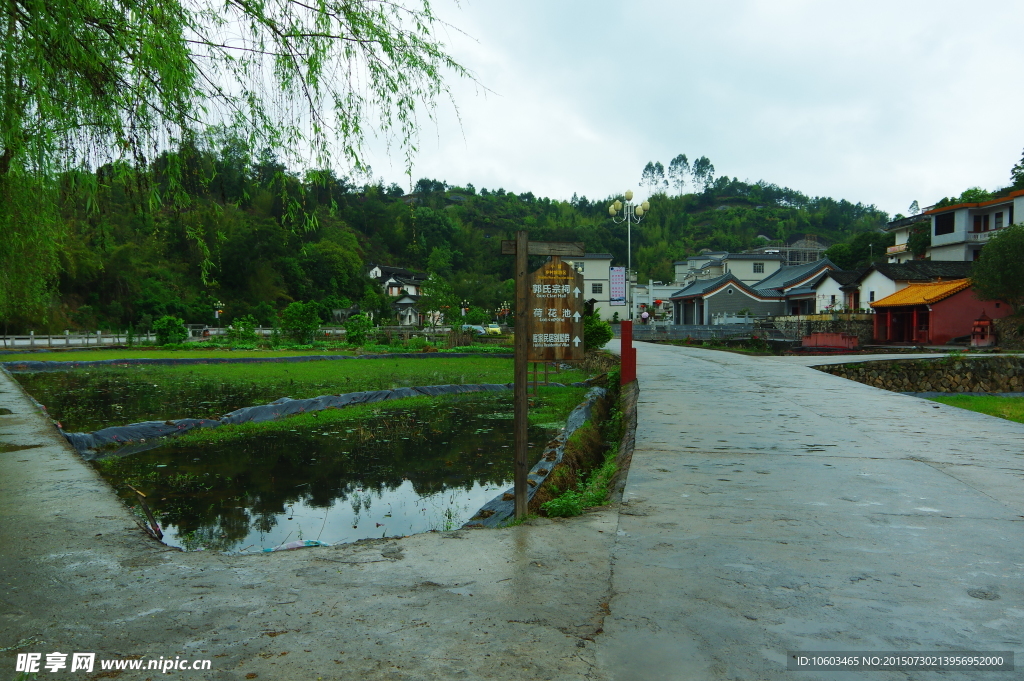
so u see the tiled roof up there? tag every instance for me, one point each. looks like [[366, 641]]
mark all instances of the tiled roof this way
[[923, 270], [1004, 199], [773, 284], [752, 256], [844, 277], [923, 294], [589, 256], [701, 286]]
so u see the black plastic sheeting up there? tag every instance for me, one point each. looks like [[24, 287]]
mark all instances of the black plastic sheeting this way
[[136, 437], [33, 366], [501, 508]]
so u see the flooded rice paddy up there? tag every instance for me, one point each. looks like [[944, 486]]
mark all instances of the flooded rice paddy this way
[[341, 475], [400, 471]]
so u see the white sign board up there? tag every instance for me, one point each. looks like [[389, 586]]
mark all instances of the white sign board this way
[[617, 286]]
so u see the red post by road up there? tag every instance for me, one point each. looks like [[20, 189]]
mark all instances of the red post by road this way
[[627, 354]]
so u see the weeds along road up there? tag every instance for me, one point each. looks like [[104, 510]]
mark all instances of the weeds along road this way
[[769, 508]]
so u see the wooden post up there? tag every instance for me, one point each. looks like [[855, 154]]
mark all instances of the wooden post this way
[[521, 409]]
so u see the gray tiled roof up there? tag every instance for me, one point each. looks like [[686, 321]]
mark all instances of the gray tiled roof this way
[[752, 256], [923, 270], [845, 277], [702, 286], [773, 284]]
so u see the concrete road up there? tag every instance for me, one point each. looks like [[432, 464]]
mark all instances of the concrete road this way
[[771, 507]]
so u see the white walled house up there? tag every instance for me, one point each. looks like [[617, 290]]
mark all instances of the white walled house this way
[[597, 283], [751, 268], [900, 252], [837, 290], [960, 231], [884, 279]]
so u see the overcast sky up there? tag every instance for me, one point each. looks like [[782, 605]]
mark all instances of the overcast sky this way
[[877, 102]]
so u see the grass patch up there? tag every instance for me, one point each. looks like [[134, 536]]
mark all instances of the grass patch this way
[[204, 351], [553, 406], [95, 397], [585, 475], [1009, 408]]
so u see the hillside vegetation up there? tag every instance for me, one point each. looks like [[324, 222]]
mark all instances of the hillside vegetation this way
[[252, 235]]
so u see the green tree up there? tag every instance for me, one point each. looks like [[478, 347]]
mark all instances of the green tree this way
[[301, 321], [596, 332], [998, 274], [170, 329], [920, 239], [437, 297], [653, 177], [356, 328], [87, 82], [678, 169], [1017, 173], [703, 172]]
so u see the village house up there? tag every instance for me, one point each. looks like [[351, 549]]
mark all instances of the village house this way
[[959, 231], [932, 313], [785, 291], [396, 280], [596, 270]]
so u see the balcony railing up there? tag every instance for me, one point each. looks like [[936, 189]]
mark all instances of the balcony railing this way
[[898, 248], [978, 236]]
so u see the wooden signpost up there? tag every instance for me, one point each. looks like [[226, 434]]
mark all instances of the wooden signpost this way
[[549, 332]]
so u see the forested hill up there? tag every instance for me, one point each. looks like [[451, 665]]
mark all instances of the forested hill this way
[[255, 237]]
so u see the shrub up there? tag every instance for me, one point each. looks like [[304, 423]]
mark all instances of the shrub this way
[[170, 330], [596, 332], [301, 321], [356, 329], [243, 330]]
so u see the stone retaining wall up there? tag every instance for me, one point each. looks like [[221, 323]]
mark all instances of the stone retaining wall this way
[[960, 375]]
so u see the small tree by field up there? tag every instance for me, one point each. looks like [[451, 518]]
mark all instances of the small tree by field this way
[[301, 321], [596, 332], [170, 329], [999, 273]]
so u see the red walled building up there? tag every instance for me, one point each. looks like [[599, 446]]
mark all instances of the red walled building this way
[[932, 314]]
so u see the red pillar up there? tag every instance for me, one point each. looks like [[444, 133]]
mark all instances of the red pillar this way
[[914, 322], [627, 354]]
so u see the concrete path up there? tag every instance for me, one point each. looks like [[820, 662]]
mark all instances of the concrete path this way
[[771, 507], [77, 575]]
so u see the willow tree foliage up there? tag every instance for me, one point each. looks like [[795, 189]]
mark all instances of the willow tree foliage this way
[[86, 83]]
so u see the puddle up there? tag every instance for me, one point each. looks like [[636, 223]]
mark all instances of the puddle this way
[[404, 471]]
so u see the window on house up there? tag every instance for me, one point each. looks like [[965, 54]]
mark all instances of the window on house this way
[[871, 297], [833, 301], [999, 221], [580, 266], [597, 288], [944, 223], [758, 268]]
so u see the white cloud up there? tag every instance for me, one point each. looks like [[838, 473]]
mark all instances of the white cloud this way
[[877, 102]]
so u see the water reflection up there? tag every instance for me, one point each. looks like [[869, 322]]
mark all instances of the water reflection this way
[[401, 472]]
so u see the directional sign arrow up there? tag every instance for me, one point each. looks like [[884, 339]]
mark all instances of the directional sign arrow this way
[[576, 316], [576, 291], [576, 341]]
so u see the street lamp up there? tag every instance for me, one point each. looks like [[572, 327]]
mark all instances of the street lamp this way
[[465, 307], [631, 213]]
